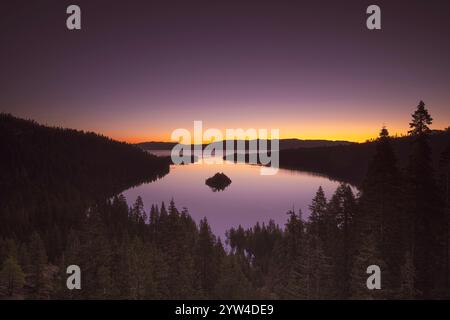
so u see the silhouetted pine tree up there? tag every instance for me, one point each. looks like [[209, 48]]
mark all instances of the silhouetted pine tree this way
[[12, 276], [320, 264], [232, 282], [293, 279], [70, 256], [424, 209], [153, 223], [236, 239], [139, 217], [421, 119], [408, 289], [342, 206], [38, 275], [141, 269], [317, 217], [207, 262], [381, 211], [368, 254], [319, 270]]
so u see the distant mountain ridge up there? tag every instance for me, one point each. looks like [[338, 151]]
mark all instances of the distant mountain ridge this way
[[284, 144]]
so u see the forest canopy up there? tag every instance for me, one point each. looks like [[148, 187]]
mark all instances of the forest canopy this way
[[61, 205]]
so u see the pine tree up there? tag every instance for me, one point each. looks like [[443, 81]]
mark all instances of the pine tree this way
[[162, 228], [294, 233], [421, 119], [292, 282], [178, 234], [120, 270], [207, 264], [232, 284], [37, 270], [381, 209], [8, 248], [319, 269], [142, 283], [70, 256], [12, 276], [96, 255], [318, 210], [408, 289], [236, 239], [343, 205], [368, 254], [298, 280], [138, 212], [153, 223], [320, 264], [427, 227]]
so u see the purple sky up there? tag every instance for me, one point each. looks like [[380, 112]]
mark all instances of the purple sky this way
[[139, 69]]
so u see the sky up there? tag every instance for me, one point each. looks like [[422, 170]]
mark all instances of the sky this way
[[137, 70]]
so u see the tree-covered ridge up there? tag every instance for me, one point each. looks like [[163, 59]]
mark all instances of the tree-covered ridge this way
[[49, 177], [349, 162]]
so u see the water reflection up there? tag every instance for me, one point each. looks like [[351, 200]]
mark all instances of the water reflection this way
[[250, 198]]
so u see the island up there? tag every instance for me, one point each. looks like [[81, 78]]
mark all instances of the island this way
[[218, 182]]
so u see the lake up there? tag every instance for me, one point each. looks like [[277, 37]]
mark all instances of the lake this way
[[251, 197]]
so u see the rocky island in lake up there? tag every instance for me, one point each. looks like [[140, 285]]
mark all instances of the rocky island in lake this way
[[218, 182]]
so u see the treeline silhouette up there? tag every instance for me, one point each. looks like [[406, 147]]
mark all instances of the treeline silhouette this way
[[49, 176], [398, 221], [236, 144], [349, 162], [123, 253]]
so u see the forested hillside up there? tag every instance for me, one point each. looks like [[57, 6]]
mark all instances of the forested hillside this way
[[349, 162], [49, 177]]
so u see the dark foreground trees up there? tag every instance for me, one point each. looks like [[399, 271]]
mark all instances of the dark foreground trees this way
[[398, 221], [169, 258], [424, 209], [12, 276]]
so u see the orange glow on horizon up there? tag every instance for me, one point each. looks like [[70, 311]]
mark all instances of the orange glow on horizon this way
[[353, 131], [351, 137]]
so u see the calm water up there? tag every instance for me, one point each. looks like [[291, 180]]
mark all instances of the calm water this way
[[251, 197]]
